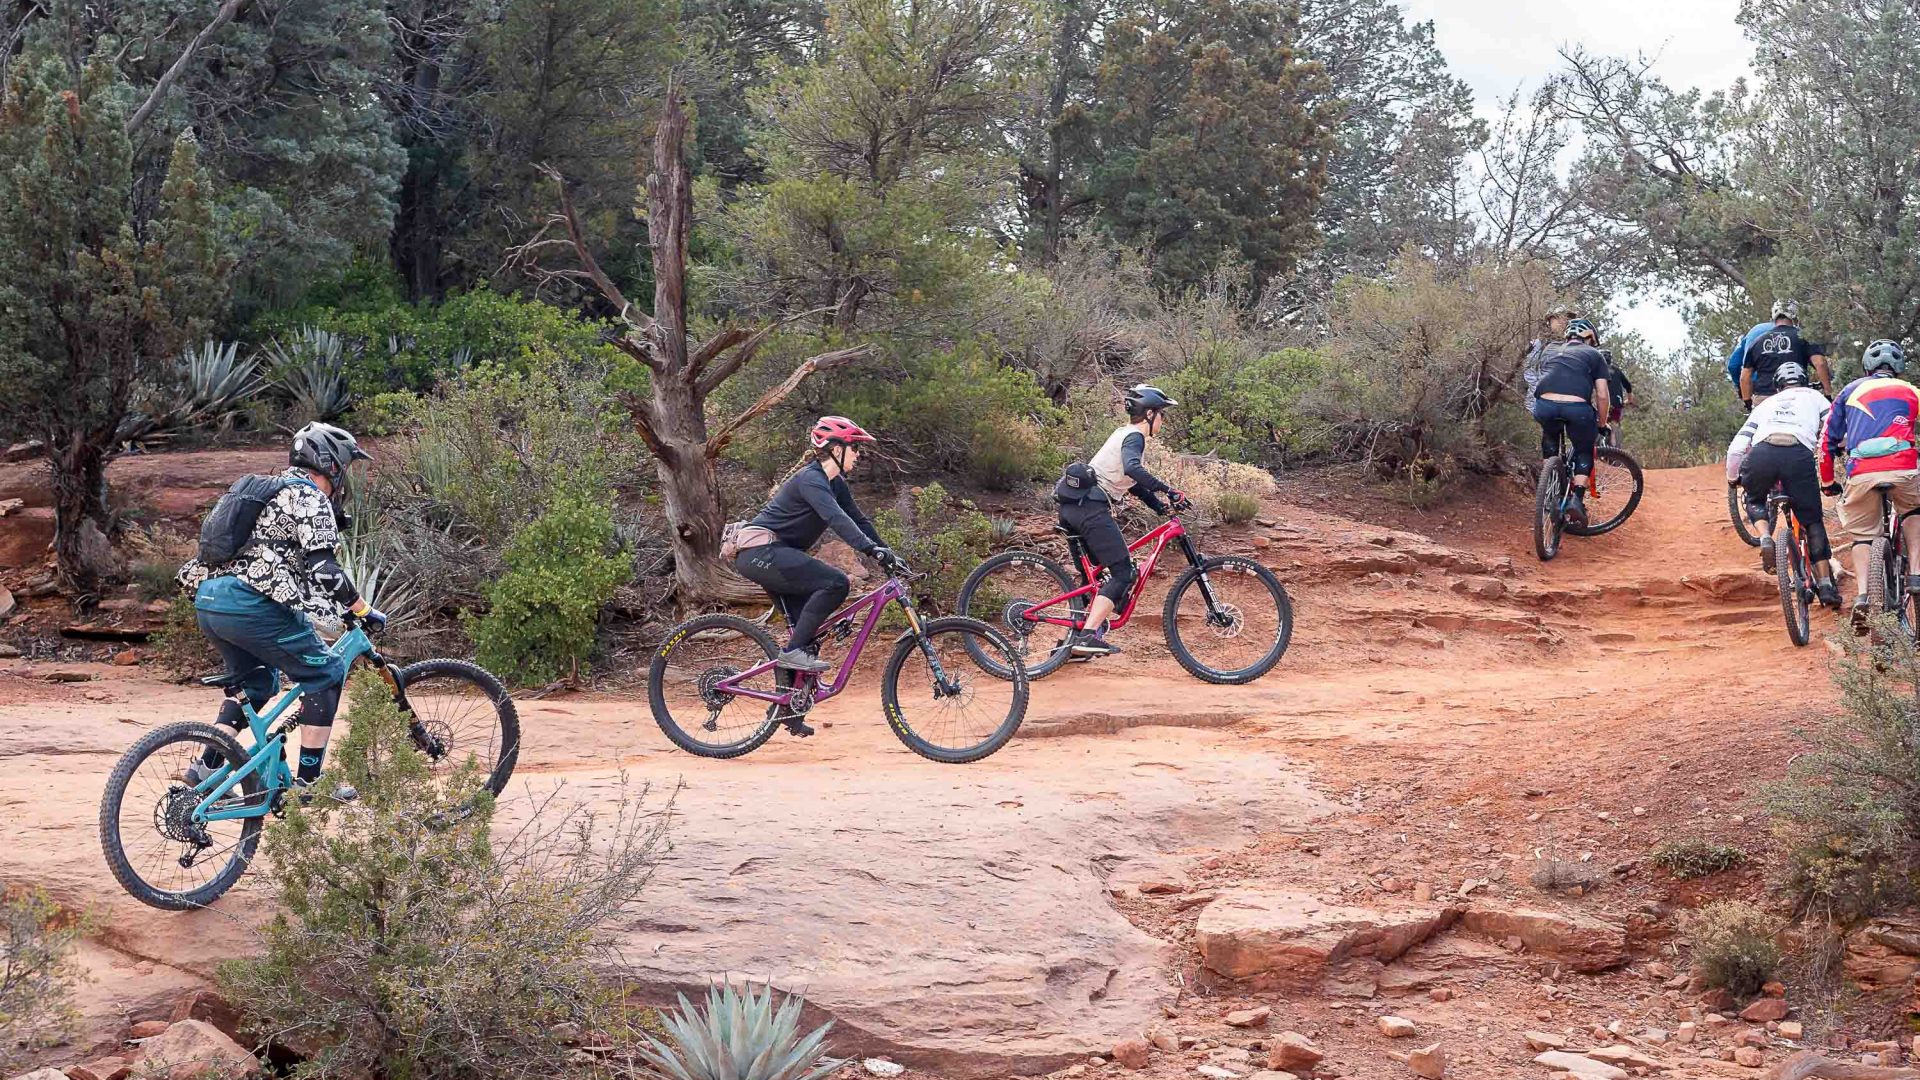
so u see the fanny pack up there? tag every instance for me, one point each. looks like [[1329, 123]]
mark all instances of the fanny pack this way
[[1077, 484], [1782, 438], [1883, 446], [738, 536]]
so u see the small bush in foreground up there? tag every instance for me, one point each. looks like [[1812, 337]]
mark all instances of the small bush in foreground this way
[[739, 1036], [1845, 813], [941, 537], [1733, 946], [1697, 858], [179, 648], [37, 971], [1236, 508], [409, 944]]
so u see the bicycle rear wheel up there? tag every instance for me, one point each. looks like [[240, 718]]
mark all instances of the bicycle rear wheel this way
[[1790, 570], [1548, 523], [1617, 487], [156, 851], [960, 713], [1241, 633], [466, 720], [1001, 590], [1736, 509], [681, 686]]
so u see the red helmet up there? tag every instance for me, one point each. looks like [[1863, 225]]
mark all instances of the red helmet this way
[[837, 429]]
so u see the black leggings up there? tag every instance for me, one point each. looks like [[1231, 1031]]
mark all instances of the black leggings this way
[[805, 589], [1792, 466], [1578, 421], [1093, 520]]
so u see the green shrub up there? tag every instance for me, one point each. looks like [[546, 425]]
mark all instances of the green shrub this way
[[1844, 814], [386, 413], [1258, 409], [739, 1026], [37, 971], [1697, 858], [408, 942], [1236, 508], [561, 570], [1733, 946], [178, 647], [942, 537], [157, 579]]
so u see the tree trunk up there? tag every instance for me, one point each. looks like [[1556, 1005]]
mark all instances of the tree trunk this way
[[79, 472]]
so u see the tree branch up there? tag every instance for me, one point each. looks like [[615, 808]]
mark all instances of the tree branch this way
[[775, 396], [642, 415], [591, 266], [669, 215], [749, 345], [159, 92]]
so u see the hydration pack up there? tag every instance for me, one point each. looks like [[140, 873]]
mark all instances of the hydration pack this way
[[227, 529]]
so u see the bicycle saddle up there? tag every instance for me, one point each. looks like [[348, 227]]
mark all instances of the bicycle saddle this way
[[231, 681], [1064, 531]]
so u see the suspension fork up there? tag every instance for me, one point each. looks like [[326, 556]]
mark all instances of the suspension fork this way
[[942, 685], [1193, 559]]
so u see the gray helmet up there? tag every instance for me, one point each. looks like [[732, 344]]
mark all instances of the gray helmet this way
[[1143, 399], [327, 450], [1789, 374], [1884, 354], [1786, 309]]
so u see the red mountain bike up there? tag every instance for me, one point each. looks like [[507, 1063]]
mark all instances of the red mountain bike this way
[[1227, 619]]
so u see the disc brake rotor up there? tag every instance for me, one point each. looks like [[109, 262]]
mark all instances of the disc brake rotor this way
[[1225, 620]]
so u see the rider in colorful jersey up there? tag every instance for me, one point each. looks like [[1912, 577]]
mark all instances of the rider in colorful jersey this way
[[1556, 330], [1775, 448], [1872, 423], [1769, 345], [256, 607], [1570, 399], [1118, 472], [775, 556]]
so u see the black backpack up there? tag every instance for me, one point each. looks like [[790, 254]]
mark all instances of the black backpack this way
[[228, 528]]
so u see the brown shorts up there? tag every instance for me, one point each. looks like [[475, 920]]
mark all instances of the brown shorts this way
[[1860, 501]]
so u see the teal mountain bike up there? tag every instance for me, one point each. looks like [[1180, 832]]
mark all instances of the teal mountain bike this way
[[178, 841]]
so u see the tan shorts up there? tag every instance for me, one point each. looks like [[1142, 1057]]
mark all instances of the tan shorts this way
[[1860, 501]]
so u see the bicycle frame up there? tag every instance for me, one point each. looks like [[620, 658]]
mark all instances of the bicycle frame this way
[[1160, 536], [874, 603], [269, 759]]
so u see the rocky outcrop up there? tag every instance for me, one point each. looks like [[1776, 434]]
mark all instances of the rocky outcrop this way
[[1296, 940], [1582, 942], [194, 1050]]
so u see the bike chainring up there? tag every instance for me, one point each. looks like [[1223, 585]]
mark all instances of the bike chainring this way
[[801, 703]]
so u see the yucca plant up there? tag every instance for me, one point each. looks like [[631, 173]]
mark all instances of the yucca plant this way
[[1001, 531], [369, 567], [739, 1036], [310, 369], [214, 382]]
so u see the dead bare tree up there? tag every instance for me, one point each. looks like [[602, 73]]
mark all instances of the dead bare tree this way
[[672, 418]]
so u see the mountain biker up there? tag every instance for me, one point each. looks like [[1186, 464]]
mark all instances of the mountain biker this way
[[774, 556], [1570, 400], [1775, 448], [1555, 330], [1872, 422], [256, 607], [1619, 393], [1775, 345], [1087, 508]]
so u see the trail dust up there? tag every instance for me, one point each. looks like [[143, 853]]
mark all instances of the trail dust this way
[[1449, 715]]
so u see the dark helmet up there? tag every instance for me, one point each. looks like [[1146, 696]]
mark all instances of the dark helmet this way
[[327, 450], [1579, 328], [1143, 399], [1884, 354], [1789, 374]]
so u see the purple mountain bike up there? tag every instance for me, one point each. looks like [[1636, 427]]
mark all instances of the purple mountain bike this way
[[716, 692]]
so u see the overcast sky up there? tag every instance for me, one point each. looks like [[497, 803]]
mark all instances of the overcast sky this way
[[1497, 45]]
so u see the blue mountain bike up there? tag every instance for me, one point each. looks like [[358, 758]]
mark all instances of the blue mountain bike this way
[[177, 840]]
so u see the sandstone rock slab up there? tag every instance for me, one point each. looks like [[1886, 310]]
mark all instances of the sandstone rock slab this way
[[1582, 942], [1297, 939], [194, 1049], [1581, 1066]]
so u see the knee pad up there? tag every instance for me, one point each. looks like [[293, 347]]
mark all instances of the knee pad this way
[[231, 715], [1119, 580], [317, 707], [838, 588]]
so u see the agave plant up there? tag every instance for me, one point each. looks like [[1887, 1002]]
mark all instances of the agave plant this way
[[740, 1036], [310, 368], [214, 381], [1001, 531], [369, 566]]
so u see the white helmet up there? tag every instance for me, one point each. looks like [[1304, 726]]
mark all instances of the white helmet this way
[[1789, 374], [1786, 309]]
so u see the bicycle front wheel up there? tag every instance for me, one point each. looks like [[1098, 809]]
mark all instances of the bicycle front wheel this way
[[1791, 571], [1737, 510], [682, 686], [1228, 620], [1617, 488], [158, 853], [1548, 522], [1002, 590], [959, 712], [466, 720]]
